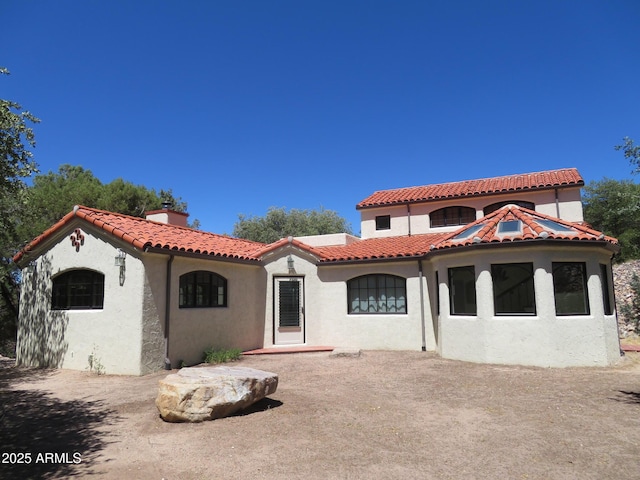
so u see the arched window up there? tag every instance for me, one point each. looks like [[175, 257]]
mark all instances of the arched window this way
[[377, 294], [202, 289], [495, 206], [78, 289], [448, 216]]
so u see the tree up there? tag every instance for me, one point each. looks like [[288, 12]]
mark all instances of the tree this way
[[279, 223], [631, 152], [613, 207], [16, 164], [53, 195]]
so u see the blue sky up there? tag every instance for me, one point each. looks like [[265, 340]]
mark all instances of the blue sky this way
[[242, 105]]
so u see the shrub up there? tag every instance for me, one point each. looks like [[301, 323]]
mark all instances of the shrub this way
[[213, 355]]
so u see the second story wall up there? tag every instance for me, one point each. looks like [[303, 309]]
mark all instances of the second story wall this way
[[416, 218]]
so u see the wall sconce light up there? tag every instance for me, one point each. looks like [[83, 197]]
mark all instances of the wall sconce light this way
[[290, 265], [119, 260]]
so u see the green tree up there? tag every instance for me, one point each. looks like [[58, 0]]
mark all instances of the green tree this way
[[53, 195], [279, 223], [16, 164], [613, 207], [631, 152]]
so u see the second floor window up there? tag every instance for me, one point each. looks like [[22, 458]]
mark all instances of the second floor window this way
[[452, 216], [383, 222], [495, 206], [202, 289]]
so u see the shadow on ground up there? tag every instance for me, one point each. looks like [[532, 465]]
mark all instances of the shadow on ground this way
[[629, 397], [42, 437], [260, 406]]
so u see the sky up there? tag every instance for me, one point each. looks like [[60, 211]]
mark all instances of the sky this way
[[242, 105]]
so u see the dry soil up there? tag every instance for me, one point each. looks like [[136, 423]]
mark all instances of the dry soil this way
[[384, 415]]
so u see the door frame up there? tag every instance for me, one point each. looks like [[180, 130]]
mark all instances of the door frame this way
[[300, 331]]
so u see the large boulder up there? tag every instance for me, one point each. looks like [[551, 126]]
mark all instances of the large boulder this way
[[205, 393]]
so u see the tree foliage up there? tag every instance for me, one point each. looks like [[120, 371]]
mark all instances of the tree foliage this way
[[53, 195], [16, 136], [613, 207], [631, 152], [279, 223], [16, 164]]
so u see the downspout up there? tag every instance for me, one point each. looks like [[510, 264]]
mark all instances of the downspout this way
[[167, 314], [557, 203], [409, 217], [422, 319]]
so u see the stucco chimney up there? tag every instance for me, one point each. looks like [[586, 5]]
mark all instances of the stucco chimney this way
[[168, 216]]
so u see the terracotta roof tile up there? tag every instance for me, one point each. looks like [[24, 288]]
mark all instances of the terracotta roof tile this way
[[510, 183], [527, 225], [381, 248], [143, 234], [146, 234]]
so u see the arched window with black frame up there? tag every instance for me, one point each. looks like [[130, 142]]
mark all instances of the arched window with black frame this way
[[448, 216], [495, 206], [201, 289], [377, 294], [78, 289]]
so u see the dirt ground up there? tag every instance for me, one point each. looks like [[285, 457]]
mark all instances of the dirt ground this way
[[384, 415]]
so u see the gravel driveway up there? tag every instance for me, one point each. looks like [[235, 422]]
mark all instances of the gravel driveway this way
[[384, 415]]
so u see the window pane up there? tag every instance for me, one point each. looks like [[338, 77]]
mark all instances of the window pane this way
[[570, 288], [462, 291], [202, 289], [452, 216], [513, 289], [289, 303], [383, 222], [376, 294], [78, 289], [606, 296]]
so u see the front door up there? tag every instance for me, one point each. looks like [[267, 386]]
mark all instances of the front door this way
[[288, 300]]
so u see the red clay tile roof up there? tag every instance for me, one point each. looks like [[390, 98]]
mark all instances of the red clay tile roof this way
[[144, 234], [381, 248], [528, 225], [510, 183]]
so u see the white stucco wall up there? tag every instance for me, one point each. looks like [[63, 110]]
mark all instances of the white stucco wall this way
[[568, 207], [327, 321], [543, 339], [238, 325], [67, 338]]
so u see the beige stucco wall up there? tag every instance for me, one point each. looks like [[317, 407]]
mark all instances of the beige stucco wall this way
[[327, 321], [238, 325], [568, 207], [67, 338], [542, 340]]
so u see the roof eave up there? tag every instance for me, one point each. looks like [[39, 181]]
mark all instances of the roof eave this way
[[578, 184], [208, 256], [531, 242]]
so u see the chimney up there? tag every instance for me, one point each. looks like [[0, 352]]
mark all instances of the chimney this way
[[167, 215]]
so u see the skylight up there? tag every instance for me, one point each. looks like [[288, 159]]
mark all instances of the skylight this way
[[468, 232], [551, 225], [509, 226]]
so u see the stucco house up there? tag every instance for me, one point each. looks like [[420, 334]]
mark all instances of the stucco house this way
[[498, 270]]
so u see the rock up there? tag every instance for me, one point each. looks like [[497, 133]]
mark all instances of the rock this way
[[206, 393], [346, 352]]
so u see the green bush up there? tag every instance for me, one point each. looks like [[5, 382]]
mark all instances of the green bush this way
[[213, 355]]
